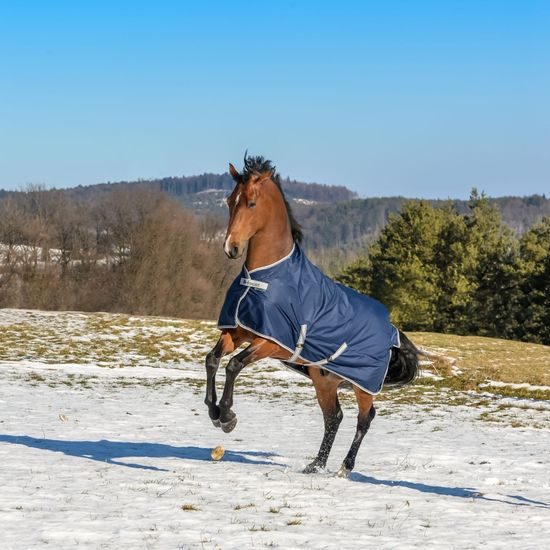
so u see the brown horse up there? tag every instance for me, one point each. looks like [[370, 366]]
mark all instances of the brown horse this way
[[260, 217]]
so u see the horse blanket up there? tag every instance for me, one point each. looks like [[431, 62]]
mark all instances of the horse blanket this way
[[324, 323]]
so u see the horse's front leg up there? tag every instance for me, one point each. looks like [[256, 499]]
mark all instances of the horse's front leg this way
[[258, 349], [224, 346]]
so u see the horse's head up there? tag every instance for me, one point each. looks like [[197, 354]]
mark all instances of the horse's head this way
[[249, 206]]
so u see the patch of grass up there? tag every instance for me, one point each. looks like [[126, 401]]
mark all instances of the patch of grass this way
[[260, 528], [190, 508], [105, 323], [487, 416], [35, 377], [473, 376], [244, 506], [464, 366], [505, 360], [521, 393], [103, 338]]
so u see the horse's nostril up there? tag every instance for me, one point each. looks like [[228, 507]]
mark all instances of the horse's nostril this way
[[232, 251]]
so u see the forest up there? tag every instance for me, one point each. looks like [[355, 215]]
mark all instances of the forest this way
[[443, 271], [132, 250]]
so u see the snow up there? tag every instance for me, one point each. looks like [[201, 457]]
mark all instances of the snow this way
[[28, 252], [103, 457], [523, 385], [307, 202]]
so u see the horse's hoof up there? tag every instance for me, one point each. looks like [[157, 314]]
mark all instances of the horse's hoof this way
[[214, 414], [343, 472], [229, 426], [312, 468]]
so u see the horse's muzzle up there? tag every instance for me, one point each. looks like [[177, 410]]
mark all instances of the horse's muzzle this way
[[232, 252]]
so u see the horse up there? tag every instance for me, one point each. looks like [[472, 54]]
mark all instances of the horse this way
[[261, 223]]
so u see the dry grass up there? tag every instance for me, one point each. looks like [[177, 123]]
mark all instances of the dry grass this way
[[108, 340], [461, 363], [190, 508], [482, 359]]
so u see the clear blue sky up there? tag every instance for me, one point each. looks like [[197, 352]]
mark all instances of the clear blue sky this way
[[418, 98]]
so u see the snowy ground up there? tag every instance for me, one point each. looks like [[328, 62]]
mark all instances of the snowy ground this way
[[111, 449]]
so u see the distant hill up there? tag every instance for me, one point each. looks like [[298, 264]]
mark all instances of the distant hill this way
[[333, 217], [353, 224], [207, 192]]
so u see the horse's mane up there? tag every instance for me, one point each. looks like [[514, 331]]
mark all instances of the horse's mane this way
[[261, 165]]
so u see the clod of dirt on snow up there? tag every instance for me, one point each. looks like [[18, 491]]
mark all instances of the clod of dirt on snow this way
[[217, 453]]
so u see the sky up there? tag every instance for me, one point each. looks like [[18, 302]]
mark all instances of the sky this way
[[414, 98]]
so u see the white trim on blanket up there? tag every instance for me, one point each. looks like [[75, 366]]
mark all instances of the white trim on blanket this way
[[284, 258], [324, 367]]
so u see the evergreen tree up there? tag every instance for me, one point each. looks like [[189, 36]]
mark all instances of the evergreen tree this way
[[492, 271], [452, 261], [402, 271], [533, 315], [439, 270], [358, 275]]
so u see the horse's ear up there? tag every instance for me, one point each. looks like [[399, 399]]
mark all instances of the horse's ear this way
[[234, 174]]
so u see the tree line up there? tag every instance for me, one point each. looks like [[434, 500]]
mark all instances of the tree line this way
[[131, 250], [352, 225], [183, 186], [444, 271], [135, 250]]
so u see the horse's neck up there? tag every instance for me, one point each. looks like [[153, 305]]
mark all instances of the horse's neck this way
[[273, 242], [262, 251]]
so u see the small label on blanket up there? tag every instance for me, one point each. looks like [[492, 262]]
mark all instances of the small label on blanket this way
[[254, 284]]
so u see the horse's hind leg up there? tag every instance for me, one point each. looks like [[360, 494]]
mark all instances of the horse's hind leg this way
[[326, 388], [224, 346], [364, 418]]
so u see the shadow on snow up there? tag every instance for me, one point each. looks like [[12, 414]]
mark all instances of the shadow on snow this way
[[108, 451], [459, 492]]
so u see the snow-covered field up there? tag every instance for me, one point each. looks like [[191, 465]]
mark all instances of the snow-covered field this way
[[105, 443]]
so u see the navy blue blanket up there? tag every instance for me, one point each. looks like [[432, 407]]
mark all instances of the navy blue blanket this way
[[329, 325]]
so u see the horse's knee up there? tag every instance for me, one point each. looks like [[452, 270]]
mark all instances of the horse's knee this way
[[334, 413], [365, 422], [234, 366], [212, 360], [335, 419]]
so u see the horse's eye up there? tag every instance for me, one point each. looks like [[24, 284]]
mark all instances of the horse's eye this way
[[251, 204]]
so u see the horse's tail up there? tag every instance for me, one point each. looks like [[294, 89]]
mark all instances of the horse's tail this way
[[403, 367]]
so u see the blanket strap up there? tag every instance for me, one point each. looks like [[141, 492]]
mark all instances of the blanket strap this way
[[336, 354], [299, 344]]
